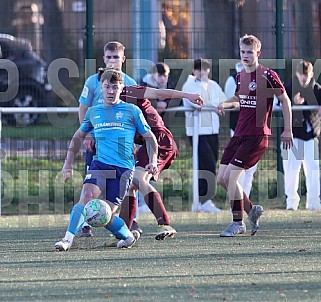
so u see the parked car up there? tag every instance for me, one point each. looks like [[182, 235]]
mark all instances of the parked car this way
[[33, 89]]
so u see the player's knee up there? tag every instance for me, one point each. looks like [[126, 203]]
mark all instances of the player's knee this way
[[87, 195], [226, 179], [135, 184], [220, 180], [132, 190]]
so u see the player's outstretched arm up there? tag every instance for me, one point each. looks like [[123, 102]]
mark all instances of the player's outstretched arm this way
[[286, 136], [152, 150], [73, 149], [231, 103], [152, 93]]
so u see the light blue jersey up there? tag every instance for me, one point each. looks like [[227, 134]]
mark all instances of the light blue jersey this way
[[92, 94], [114, 128]]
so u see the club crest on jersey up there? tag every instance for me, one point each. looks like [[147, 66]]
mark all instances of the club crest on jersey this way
[[252, 86], [119, 115]]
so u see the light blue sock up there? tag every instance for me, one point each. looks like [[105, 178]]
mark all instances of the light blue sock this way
[[118, 228], [77, 219]]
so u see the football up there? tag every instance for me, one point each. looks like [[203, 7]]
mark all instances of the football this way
[[97, 213]]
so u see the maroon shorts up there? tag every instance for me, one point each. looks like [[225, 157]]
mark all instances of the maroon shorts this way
[[245, 151], [167, 152]]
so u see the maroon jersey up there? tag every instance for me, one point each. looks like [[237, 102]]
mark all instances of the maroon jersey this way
[[256, 91], [135, 95]]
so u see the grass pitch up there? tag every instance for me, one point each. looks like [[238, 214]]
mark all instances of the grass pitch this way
[[281, 263]]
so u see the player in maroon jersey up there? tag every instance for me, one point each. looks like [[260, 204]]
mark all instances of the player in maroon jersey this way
[[256, 87], [167, 152]]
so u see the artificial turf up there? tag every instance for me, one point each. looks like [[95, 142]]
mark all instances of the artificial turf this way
[[281, 263]]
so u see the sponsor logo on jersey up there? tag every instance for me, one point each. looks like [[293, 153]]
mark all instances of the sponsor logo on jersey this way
[[84, 93], [252, 86], [238, 161], [88, 176], [109, 126], [248, 103]]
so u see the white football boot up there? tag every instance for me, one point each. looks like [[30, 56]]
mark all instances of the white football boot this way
[[63, 246], [235, 228], [130, 241]]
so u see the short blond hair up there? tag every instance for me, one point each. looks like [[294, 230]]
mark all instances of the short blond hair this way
[[251, 40]]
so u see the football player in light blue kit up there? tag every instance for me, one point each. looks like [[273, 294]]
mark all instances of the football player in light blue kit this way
[[114, 55], [114, 124], [92, 94]]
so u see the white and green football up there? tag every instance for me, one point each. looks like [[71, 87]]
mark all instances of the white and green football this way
[[97, 213]]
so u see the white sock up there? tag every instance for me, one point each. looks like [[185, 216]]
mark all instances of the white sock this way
[[130, 237], [69, 236]]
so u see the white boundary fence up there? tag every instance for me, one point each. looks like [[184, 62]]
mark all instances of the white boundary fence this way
[[13, 110], [55, 110]]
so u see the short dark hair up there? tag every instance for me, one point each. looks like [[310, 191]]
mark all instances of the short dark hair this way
[[304, 67], [202, 64], [114, 45], [112, 76], [161, 69]]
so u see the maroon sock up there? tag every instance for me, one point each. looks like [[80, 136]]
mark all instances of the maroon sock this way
[[248, 205], [128, 210], [156, 205], [237, 209]]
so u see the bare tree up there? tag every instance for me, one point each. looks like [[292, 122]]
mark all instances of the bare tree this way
[[6, 16], [218, 27], [53, 31], [54, 41], [305, 32]]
